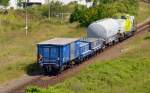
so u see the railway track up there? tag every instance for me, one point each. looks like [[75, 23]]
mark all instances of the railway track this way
[[45, 80]]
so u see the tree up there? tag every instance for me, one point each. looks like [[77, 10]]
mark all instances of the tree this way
[[19, 3], [56, 8], [77, 14], [104, 9], [4, 2]]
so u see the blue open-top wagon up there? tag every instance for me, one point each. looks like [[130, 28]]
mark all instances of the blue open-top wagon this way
[[94, 43], [84, 50], [57, 53]]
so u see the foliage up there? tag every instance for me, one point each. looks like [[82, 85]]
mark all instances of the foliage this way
[[58, 12], [70, 7], [56, 8], [7, 18], [19, 3], [33, 89], [4, 2], [77, 14], [102, 9]]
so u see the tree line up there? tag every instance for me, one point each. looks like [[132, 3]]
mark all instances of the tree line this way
[[103, 9], [4, 2]]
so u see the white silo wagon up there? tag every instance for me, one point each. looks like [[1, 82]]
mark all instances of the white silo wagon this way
[[106, 29]]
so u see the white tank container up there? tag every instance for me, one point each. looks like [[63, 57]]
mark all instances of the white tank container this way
[[105, 28]]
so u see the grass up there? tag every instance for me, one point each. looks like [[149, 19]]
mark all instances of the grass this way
[[18, 52], [144, 11], [129, 73]]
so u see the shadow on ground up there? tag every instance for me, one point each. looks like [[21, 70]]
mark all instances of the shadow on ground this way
[[33, 69]]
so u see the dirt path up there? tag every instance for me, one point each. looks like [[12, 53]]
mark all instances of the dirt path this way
[[18, 86]]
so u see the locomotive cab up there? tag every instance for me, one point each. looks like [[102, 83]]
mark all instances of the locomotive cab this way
[[129, 21]]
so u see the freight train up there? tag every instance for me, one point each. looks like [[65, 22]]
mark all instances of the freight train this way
[[61, 53]]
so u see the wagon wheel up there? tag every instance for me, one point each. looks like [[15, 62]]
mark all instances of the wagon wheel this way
[[47, 69], [132, 33], [61, 69], [72, 64]]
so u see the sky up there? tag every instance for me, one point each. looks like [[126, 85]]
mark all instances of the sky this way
[[12, 3], [83, 2], [67, 1]]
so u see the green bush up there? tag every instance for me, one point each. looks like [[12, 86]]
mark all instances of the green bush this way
[[55, 9], [77, 14], [10, 20], [4, 2], [103, 9], [59, 13]]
